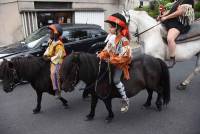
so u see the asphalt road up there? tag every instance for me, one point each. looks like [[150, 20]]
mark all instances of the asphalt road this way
[[182, 116]]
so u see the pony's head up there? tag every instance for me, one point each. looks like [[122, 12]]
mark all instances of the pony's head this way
[[70, 72], [139, 21], [8, 75]]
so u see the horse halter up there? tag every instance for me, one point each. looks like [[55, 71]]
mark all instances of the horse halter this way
[[136, 33], [14, 78], [75, 81]]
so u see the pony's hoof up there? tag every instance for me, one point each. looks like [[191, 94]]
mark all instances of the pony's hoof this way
[[89, 118], [65, 105], [159, 108], [146, 105], [36, 111], [181, 87], [108, 119], [86, 98]]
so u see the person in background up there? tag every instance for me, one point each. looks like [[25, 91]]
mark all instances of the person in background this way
[[61, 20], [141, 4]]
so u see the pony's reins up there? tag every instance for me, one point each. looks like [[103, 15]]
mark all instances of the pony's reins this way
[[138, 34], [171, 11], [101, 77]]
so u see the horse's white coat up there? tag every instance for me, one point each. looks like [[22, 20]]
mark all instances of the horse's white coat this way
[[154, 44]]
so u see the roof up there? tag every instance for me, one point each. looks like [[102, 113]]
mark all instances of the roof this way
[[73, 9], [66, 26]]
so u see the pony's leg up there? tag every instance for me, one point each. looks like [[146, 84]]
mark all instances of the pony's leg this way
[[64, 101], [148, 102], [108, 104], [39, 99], [183, 85], [159, 101], [94, 101], [86, 93]]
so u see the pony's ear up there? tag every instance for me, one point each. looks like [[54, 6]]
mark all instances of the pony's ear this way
[[10, 64], [76, 57], [4, 59]]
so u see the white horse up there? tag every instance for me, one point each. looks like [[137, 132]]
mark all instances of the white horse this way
[[154, 45]]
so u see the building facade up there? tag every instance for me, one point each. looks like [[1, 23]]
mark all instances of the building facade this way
[[19, 18]]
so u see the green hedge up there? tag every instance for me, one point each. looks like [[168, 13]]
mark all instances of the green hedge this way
[[197, 15], [153, 8], [197, 6]]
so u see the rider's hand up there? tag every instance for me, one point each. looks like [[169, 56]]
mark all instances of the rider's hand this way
[[162, 19], [46, 58], [158, 18]]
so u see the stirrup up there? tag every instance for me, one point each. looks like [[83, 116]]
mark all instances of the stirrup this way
[[57, 94], [171, 63]]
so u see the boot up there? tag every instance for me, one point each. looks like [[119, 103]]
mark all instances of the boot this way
[[125, 100], [57, 93], [171, 62], [125, 105]]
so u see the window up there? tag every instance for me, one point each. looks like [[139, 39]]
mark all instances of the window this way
[[80, 34], [53, 5], [92, 33], [37, 35]]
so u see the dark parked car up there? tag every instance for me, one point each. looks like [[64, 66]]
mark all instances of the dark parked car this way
[[76, 37]]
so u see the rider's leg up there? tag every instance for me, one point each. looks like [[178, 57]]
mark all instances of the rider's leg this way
[[120, 86], [54, 79], [171, 37], [141, 4], [57, 77]]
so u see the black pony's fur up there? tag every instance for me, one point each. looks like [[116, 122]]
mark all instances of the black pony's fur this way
[[32, 69], [146, 72]]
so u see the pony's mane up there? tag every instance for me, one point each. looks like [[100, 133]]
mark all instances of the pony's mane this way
[[144, 16], [143, 22], [29, 65], [88, 63]]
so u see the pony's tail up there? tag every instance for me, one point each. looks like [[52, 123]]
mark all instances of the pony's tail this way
[[165, 82]]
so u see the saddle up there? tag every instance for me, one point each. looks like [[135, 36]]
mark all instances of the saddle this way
[[191, 35]]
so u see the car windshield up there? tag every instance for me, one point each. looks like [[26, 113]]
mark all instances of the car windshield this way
[[36, 36]]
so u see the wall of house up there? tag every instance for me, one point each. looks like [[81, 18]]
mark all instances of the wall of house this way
[[11, 27], [11, 22]]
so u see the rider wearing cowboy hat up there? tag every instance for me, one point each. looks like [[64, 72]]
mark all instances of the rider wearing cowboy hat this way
[[118, 53]]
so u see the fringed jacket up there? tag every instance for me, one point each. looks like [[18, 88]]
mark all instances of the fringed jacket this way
[[55, 51], [118, 55]]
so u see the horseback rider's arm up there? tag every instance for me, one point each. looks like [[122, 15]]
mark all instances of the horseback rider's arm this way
[[178, 12], [60, 53], [110, 41], [126, 49], [57, 56], [47, 52]]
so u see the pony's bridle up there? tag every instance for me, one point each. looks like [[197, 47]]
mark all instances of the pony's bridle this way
[[15, 78], [75, 81]]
